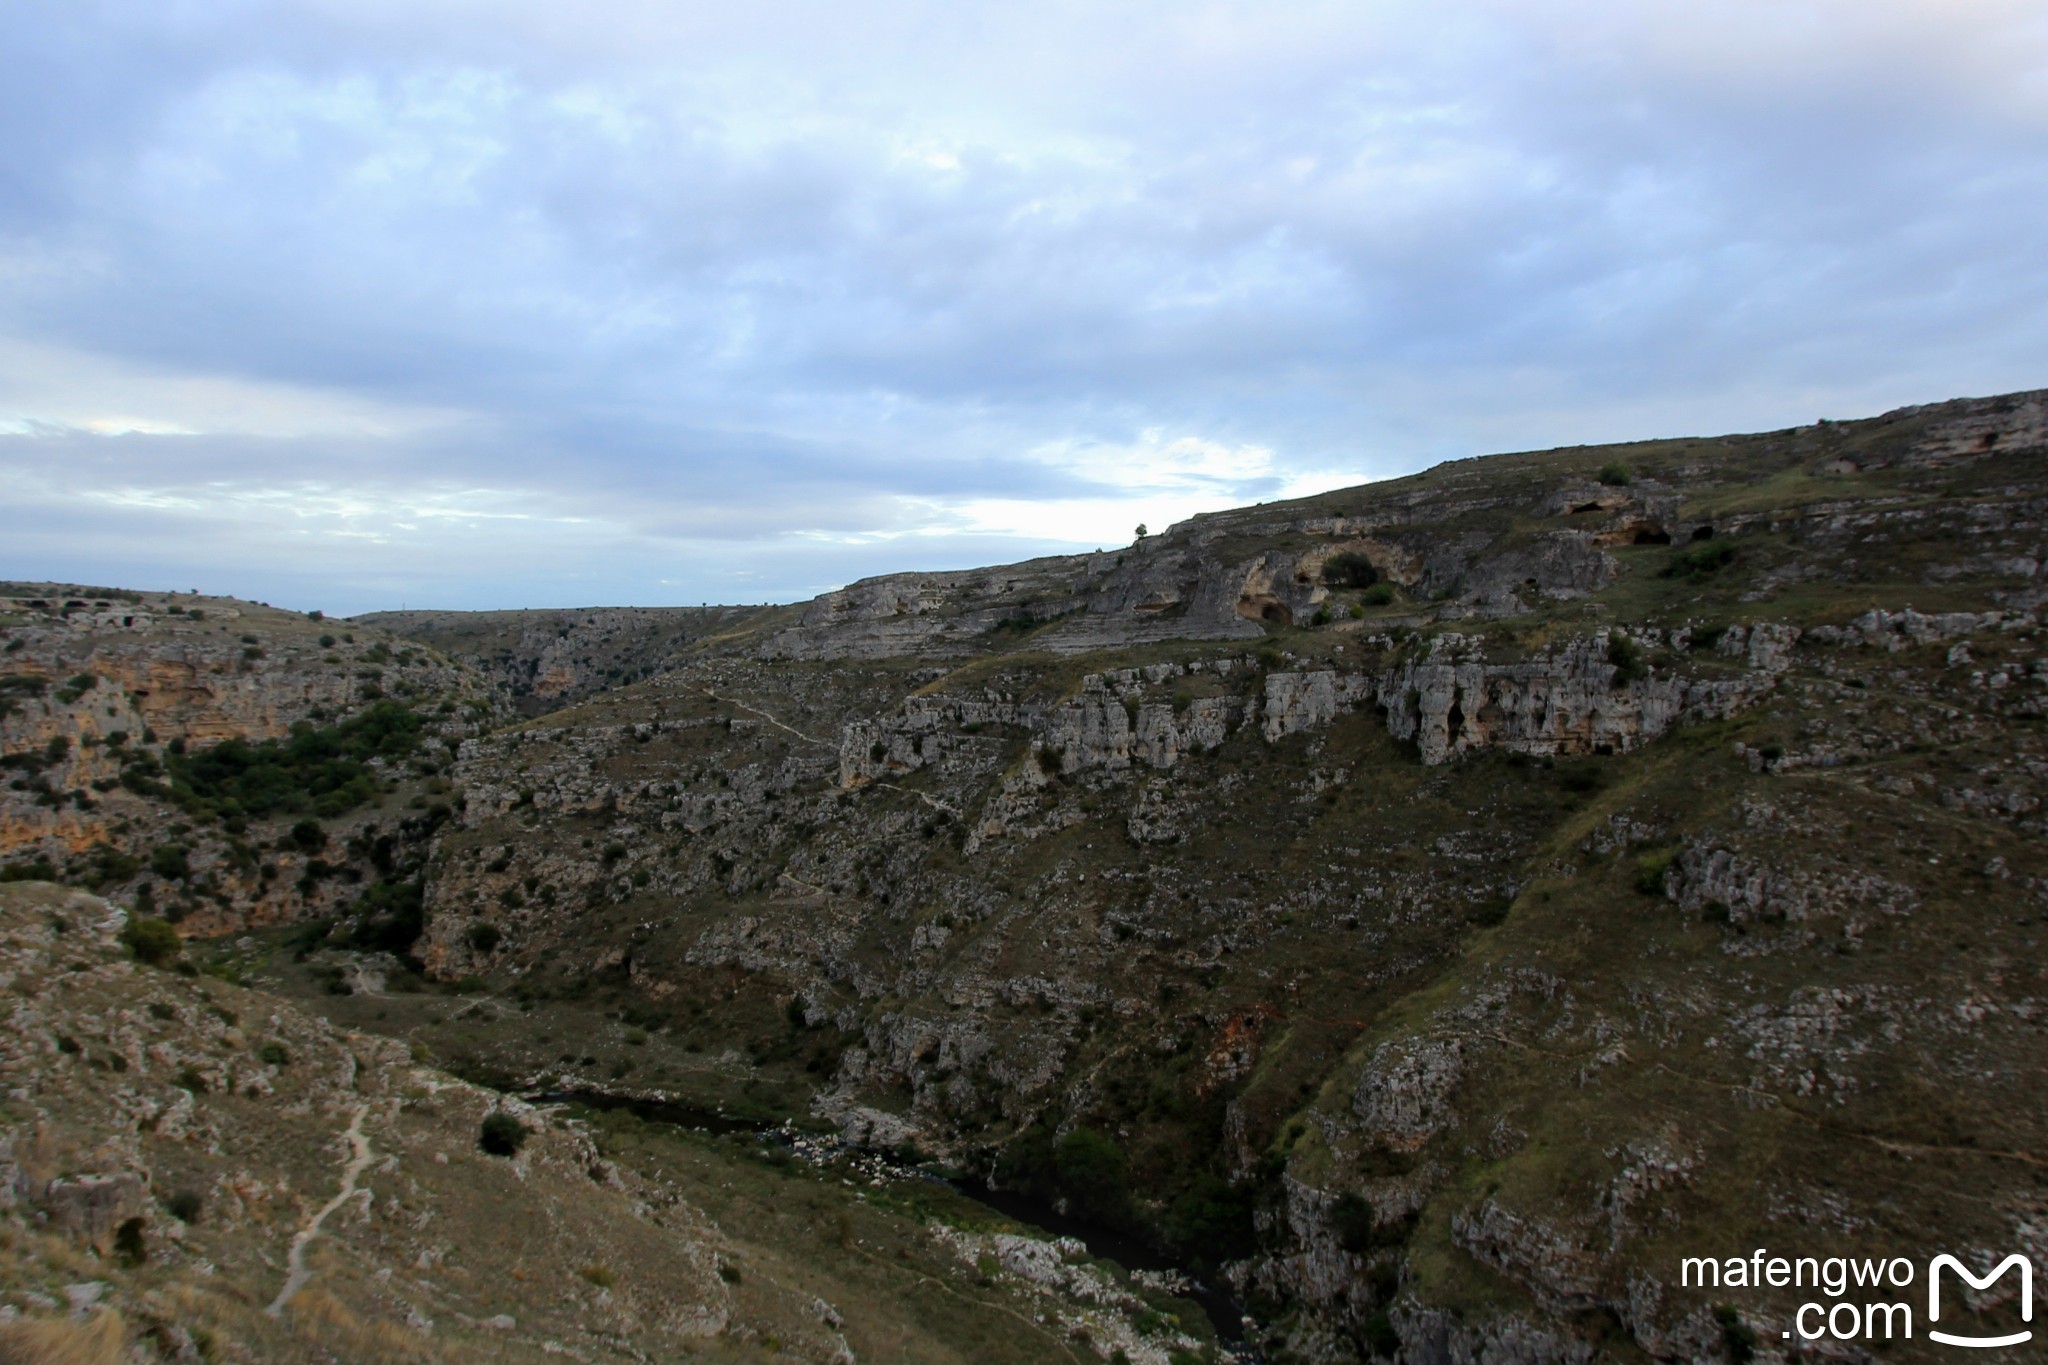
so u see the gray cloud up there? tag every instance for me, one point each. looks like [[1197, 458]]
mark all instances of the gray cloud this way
[[774, 295]]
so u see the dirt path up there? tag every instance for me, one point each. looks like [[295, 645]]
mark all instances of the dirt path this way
[[295, 1260], [772, 720]]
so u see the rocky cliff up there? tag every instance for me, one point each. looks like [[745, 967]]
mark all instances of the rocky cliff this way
[[106, 696], [541, 660]]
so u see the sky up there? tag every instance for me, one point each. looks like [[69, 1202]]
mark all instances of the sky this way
[[354, 304]]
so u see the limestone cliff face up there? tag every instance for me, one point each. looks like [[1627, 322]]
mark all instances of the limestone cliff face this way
[[1573, 700], [542, 660], [98, 686]]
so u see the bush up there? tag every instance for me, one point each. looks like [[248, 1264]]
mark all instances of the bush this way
[[1212, 1221], [34, 870], [1378, 595], [153, 941], [1701, 561], [107, 864], [1652, 870], [321, 770], [76, 687], [484, 938], [274, 1054], [1349, 570], [1352, 1217], [1626, 658], [171, 862], [502, 1135], [389, 916], [1614, 475], [1093, 1173]]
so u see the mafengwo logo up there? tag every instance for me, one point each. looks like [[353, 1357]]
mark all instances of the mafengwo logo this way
[[2012, 1262], [1874, 1315]]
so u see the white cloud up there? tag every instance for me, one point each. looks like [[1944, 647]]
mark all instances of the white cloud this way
[[53, 385]]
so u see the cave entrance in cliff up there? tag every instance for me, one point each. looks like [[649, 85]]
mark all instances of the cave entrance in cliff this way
[[1651, 535], [1276, 611]]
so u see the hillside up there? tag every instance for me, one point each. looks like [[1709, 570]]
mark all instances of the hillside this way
[[543, 660], [1434, 908], [195, 1171]]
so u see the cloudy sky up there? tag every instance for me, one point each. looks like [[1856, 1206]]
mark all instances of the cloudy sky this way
[[466, 303]]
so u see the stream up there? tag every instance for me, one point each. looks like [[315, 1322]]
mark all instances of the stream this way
[[1225, 1314]]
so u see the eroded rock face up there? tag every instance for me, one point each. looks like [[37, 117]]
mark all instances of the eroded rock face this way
[[542, 660], [98, 688], [1573, 700], [1404, 1097]]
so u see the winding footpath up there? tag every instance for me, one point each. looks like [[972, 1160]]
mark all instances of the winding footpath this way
[[295, 1260]]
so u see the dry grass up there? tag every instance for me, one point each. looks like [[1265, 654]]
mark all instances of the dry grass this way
[[101, 1339]]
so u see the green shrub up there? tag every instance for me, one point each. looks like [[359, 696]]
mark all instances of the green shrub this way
[[106, 864], [152, 941], [1700, 561], [1626, 658], [322, 770], [1652, 872], [1093, 1173], [171, 862], [274, 1054], [76, 687], [389, 916], [1378, 595], [1212, 1221], [34, 870], [1349, 570], [502, 1135], [1614, 475], [1352, 1218], [1736, 1335], [484, 938]]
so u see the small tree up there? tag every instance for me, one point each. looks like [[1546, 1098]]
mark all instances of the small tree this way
[[153, 941], [1614, 475], [1350, 570], [1142, 533]]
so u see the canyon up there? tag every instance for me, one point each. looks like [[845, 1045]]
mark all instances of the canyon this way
[[1428, 911]]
